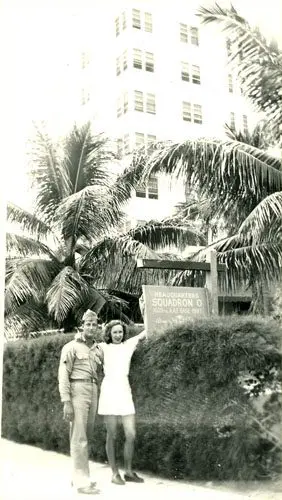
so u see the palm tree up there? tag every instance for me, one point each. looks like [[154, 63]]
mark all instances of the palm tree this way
[[257, 62], [64, 257], [241, 181]]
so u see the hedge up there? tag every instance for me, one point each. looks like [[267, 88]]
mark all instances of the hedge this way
[[194, 419]]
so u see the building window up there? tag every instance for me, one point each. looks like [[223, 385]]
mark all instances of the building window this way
[[137, 58], [123, 145], [232, 120], [139, 140], [125, 102], [126, 144], [141, 191], [118, 69], [194, 32], [143, 60], [119, 147], [136, 19], [150, 140], [245, 124], [148, 24], [185, 72], [153, 191], [149, 61], [183, 33], [149, 190], [123, 20], [230, 84], [138, 101], [117, 26], [144, 140], [144, 102], [197, 113], [142, 20], [189, 34], [124, 60], [186, 111], [119, 107], [192, 113], [85, 96], [192, 74], [121, 63], [196, 77], [122, 104], [84, 60], [151, 104]]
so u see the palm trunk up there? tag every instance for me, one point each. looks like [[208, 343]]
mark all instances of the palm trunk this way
[[70, 323]]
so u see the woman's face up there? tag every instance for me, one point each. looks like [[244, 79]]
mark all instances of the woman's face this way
[[117, 334]]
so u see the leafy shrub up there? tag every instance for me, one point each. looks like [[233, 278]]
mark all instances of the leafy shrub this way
[[194, 418]]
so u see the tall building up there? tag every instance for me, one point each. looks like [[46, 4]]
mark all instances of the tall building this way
[[148, 70]]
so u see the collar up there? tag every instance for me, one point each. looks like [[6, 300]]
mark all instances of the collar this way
[[79, 338]]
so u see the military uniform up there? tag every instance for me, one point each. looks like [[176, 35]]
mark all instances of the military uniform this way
[[78, 384]]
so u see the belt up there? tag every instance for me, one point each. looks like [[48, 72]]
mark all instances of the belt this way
[[90, 380]]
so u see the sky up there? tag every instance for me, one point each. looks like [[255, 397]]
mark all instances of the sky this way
[[35, 35]]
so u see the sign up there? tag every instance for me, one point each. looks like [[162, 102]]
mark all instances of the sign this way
[[167, 306]]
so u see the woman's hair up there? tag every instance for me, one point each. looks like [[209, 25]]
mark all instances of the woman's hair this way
[[108, 329]]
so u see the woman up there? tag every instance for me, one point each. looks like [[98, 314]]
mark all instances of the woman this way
[[116, 399]]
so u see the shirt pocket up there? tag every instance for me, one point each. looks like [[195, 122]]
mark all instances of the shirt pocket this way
[[82, 359]]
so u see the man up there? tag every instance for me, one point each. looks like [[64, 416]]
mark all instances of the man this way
[[78, 390]]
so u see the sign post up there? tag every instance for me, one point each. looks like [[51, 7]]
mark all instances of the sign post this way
[[212, 282], [166, 306]]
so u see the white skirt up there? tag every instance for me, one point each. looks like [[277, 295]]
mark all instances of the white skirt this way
[[116, 397]]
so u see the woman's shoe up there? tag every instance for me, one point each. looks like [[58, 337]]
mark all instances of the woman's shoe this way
[[92, 484], [116, 479], [88, 490], [134, 478]]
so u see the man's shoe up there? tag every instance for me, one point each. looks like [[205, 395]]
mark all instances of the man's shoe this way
[[116, 479], [88, 490], [133, 478]]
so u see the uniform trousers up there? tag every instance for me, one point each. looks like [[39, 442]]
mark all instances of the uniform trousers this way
[[84, 401]]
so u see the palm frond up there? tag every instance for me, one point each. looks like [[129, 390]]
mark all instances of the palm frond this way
[[265, 218], [17, 244], [27, 220], [253, 263], [26, 279], [86, 158], [158, 235], [103, 259], [129, 179], [87, 214], [65, 293], [90, 299], [115, 307], [247, 261], [234, 175], [49, 177], [112, 262], [27, 318], [257, 61], [260, 137]]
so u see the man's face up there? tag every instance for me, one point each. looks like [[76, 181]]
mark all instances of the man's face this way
[[89, 328]]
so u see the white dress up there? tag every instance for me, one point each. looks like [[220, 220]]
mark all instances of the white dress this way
[[115, 396]]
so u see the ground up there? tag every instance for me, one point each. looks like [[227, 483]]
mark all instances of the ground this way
[[29, 473]]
